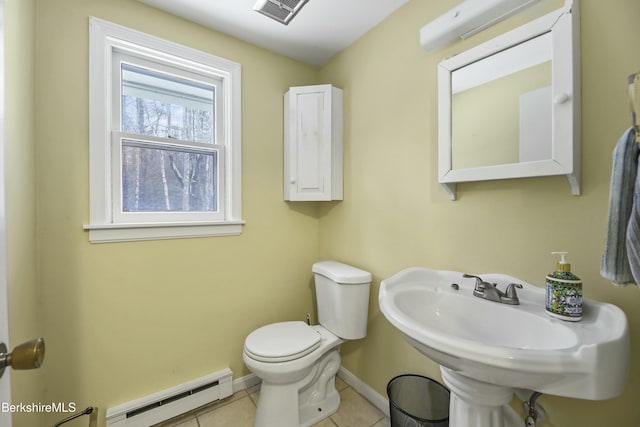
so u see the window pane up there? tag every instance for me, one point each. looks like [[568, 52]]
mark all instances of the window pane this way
[[166, 180], [163, 105]]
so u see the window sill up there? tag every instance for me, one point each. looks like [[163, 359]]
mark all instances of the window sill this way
[[107, 233]]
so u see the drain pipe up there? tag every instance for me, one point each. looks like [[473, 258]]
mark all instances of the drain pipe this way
[[532, 411]]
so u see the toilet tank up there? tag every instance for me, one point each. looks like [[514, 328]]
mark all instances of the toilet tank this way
[[342, 294]]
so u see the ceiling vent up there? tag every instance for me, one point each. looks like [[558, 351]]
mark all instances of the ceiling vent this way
[[282, 11]]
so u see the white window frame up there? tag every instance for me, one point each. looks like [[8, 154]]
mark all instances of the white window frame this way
[[107, 223]]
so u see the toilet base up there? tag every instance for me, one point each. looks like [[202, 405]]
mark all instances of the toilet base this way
[[304, 402]]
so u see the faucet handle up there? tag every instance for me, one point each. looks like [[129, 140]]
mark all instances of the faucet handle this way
[[482, 288], [510, 292], [479, 282]]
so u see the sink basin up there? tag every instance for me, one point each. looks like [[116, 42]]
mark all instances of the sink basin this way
[[515, 346]]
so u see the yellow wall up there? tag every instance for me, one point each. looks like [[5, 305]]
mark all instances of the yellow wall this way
[[395, 215], [127, 319], [25, 318]]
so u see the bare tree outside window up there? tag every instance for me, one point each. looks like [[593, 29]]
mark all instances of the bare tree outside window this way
[[167, 178]]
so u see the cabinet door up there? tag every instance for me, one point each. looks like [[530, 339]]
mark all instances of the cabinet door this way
[[309, 144]]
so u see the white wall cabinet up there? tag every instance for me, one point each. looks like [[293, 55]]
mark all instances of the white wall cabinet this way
[[313, 143]]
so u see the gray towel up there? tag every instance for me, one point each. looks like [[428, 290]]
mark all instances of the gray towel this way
[[623, 235], [633, 233]]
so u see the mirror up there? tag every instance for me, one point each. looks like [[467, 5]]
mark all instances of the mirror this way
[[509, 108], [516, 126]]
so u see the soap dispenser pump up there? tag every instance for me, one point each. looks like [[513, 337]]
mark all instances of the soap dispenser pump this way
[[564, 292]]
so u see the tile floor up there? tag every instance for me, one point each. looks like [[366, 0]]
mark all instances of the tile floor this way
[[239, 410]]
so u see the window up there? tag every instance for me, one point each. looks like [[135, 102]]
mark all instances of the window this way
[[164, 139]]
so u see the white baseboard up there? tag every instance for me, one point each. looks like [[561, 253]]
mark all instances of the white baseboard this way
[[379, 401], [245, 382]]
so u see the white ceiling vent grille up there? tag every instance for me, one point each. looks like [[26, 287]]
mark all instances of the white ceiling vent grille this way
[[282, 11]]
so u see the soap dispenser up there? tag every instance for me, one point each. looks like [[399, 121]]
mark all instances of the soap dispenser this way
[[564, 292]]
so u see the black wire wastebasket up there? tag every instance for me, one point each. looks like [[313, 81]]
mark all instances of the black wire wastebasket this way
[[417, 401]]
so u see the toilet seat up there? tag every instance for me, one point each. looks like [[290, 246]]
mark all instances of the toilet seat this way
[[282, 342]]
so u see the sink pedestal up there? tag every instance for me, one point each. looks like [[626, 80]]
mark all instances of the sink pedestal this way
[[474, 403]]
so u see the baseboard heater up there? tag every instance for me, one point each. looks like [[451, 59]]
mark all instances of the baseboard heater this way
[[163, 405]]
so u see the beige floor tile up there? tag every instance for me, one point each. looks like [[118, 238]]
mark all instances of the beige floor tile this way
[[254, 393], [340, 384], [355, 411], [325, 423], [239, 413], [254, 388], [385, 422], [189, 423], [186, 420]]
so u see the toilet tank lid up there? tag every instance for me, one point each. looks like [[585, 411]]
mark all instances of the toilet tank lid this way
[[341, 273]]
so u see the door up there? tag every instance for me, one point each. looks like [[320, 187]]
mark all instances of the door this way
[[5, 393]]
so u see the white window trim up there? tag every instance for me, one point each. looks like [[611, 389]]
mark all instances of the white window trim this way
[[104, 38]]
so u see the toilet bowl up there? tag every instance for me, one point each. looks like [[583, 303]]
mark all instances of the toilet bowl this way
[[297, 363], [297, 389]]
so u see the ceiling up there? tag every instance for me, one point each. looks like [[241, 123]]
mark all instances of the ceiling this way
[[321, 29]]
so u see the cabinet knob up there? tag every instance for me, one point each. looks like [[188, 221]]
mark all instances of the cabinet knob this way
[[292, 180], [561, 98]]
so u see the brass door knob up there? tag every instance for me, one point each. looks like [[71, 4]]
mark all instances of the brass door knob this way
[[28, 355]]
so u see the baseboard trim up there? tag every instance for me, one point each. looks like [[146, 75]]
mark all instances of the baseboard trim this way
[[379, 401], [245, 382]]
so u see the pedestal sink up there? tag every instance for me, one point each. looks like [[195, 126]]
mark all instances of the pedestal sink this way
[[487, 349]]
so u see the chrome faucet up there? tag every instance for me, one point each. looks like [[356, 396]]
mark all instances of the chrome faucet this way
[[490, 291]]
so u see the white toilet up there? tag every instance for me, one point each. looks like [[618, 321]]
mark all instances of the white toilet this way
[[297, 362]]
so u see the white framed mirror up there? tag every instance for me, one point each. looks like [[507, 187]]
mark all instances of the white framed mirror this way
[[510, 107]]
